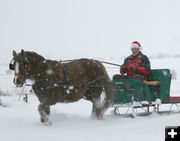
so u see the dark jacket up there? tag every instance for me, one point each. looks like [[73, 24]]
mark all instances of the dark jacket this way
[[140, 62]]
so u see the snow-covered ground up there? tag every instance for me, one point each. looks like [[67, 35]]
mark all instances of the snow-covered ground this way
[[71, 122]]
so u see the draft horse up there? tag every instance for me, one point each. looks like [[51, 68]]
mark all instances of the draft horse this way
[[63, 82]]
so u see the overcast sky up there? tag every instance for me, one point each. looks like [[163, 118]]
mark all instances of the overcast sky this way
[[67, 29]]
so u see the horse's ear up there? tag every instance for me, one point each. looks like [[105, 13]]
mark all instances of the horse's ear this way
[[23, 52], [14, 53]]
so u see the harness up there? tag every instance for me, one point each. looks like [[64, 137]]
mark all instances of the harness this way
[[66, 74], [67, 79]]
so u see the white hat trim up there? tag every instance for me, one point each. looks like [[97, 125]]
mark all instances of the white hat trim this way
[[136, 46]]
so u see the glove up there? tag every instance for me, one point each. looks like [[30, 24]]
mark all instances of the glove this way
[[123, 69], [134, 69]]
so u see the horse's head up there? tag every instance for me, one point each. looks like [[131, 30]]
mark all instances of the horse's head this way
[[20, 65]]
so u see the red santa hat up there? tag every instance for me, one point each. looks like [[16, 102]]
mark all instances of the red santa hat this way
[[136, 44]]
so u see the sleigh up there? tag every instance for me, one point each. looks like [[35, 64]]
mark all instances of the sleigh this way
[[144, 94]]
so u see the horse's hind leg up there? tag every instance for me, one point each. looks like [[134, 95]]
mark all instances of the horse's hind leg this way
[[102, 102], [98, 105], [44, 112], [96, 112]]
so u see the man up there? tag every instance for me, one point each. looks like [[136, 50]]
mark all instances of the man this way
[[137, 65]]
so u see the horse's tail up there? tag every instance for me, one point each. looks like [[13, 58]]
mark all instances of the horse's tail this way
[[109, 95], [102, 95], [103, 101], [108, 91]]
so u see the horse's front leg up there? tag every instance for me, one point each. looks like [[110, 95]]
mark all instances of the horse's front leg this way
[[44, 112]]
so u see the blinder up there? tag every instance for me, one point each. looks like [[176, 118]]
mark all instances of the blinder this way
[[12, 65]]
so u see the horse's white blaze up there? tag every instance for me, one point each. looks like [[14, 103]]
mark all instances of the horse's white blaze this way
[[15, 79], [16, 71], [17, 67]]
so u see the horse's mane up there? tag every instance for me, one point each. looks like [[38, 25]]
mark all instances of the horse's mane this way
[[34, 55]]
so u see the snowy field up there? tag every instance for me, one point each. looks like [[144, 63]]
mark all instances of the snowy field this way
[[71, 122]]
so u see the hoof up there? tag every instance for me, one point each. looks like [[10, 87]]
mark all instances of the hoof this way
[[96, 117], [48, 123]]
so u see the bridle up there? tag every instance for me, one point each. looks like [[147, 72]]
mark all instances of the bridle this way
[[26, 69]]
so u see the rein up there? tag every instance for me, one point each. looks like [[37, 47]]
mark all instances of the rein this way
[[104, 62], [109, 63]]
